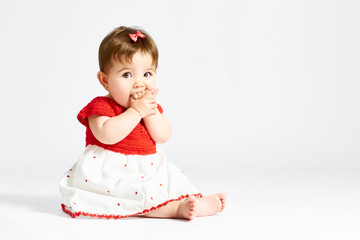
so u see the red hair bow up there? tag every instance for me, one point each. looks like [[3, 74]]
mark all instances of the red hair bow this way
[[134, 37]]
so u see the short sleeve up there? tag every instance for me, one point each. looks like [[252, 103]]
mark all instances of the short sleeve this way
[[99, 105], [160, 109]]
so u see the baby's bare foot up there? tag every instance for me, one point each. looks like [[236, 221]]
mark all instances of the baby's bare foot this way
[[222, 197], [188, 208], [212, 204], [200, 207]]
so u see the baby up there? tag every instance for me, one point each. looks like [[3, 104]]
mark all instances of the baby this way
[[122, 171]]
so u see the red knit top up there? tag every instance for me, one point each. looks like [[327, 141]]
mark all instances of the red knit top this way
[[138, 142]]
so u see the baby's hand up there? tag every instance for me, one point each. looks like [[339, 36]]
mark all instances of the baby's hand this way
[[154, 92], [144, 103], [138, 95]]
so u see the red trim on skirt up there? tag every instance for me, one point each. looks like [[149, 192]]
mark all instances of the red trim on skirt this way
[[77, 214]]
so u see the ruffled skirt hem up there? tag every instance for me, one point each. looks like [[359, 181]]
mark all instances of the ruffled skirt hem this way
[[68, 210]]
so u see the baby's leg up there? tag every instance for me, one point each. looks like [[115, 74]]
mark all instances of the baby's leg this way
[[176, 209], [191, 208]]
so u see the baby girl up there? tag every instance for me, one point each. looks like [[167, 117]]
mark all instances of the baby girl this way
[[122, 171]]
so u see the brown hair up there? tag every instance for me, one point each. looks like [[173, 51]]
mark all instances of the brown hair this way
[[118, 46]]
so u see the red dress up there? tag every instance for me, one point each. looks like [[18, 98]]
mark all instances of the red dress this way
[[131, 177]]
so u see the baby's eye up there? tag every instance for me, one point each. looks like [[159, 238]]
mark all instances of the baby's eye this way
[[147, 74], [127, 75]]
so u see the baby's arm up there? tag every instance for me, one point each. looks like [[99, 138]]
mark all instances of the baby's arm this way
[[112, 130], [157, 125]]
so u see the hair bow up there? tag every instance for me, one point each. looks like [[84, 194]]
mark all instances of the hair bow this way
[[134, 37]]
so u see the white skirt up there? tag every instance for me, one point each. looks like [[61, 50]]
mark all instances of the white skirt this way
[[108, 184]]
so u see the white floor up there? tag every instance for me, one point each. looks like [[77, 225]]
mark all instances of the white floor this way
[[262, 204]]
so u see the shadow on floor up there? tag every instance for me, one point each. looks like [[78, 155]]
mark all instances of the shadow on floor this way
[[44, 204]]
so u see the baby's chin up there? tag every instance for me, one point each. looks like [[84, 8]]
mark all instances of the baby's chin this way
[[126, 105]]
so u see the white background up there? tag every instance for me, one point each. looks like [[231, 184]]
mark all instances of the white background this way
[[263, 97]]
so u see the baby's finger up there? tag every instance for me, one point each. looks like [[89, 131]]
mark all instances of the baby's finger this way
[[134, 96], [148, 94], [155, 92], [140, 94]]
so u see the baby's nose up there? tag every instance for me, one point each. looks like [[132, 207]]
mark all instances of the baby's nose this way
[[139, 84]]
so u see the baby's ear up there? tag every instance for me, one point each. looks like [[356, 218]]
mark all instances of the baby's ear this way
[[102, 77]]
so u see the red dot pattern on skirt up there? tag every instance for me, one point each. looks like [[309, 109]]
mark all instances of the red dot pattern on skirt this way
[[109, 191]]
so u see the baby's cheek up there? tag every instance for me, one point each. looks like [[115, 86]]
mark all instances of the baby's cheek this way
[[150, 85]]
